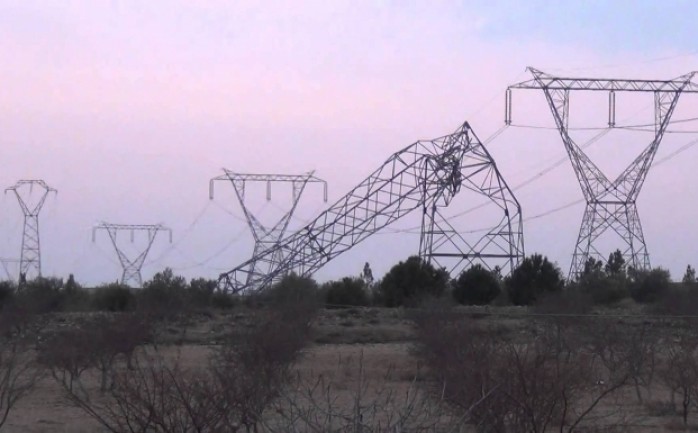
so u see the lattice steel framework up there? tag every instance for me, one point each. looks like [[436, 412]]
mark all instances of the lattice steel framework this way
[[131, 267], [30, 258], [425, 175], [267, 237], [501, 247], [610, 204]]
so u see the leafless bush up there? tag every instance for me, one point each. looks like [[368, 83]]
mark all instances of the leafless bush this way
[[92, 343], [157, 393], [628, 352], [371, 406], [253, 368], [19, 371], [679, 372], [551, 378]]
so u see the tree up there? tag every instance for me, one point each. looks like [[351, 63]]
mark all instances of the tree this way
[[689, 278], [616, 264], [165, 294], [347, 291], [605, 285], [534, 276], [410, 280], [649, 286], [476, 286]]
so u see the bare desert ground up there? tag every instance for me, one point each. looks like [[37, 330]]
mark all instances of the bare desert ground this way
[[350, 348]]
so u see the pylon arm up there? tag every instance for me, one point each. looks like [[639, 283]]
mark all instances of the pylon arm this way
[[542, 80]]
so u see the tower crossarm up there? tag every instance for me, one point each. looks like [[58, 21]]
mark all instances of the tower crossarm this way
[[131, 266], [541, 80], [424, 172]]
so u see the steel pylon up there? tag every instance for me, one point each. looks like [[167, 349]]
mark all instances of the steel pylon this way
[[499, 247], [424, 175], [610, 204], [30, 258], [131, 275], [267, 236]]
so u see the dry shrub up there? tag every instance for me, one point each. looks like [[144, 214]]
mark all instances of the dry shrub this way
[[19, 371], [679, 372], [323, 404], [94, 343], [553, 378], [229, 393]]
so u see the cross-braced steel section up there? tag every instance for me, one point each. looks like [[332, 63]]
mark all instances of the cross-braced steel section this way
[[501, 247], [131, 275], [424, 175], [610, 204], [266, 237], [30, 258]]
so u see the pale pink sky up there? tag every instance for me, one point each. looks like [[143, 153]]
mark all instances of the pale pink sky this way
[[128, 108]]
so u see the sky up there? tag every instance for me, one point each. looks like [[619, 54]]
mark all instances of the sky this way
[[129, 108]]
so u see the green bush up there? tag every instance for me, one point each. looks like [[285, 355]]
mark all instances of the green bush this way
[[535, 276], [347, 291], [292, 289], [603, 289], [411, 281], [74, 296], [649, 286], [164, 295], [476, 286], [113, 297], [201, 292], [223, 301], [7, 293], [41, 295]]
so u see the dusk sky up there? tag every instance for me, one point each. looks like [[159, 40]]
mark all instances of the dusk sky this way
[[128, 108]]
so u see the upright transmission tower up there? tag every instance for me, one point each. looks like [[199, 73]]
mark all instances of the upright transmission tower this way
[[31, 204], [266, 237], [610, 204], [131, 267], [425, 176]]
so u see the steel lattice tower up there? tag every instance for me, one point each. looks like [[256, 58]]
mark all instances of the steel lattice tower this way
[[30, 259], [131, 267], [267, 237], [423, 176], [610, 204]]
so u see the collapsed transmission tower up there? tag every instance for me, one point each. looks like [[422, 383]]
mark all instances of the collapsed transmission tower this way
[[131, 267], [610, 204], [425, 175], [30, 259], [267, 237]]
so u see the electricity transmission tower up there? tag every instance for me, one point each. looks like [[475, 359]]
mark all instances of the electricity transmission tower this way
[[131, 267], [610, 204], [31, 204], [425, 176], [266, 237]]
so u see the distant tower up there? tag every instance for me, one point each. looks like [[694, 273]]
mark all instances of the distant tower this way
[[31, 204], [131, 267], [267, 237]]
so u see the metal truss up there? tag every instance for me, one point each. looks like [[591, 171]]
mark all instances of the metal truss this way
[[30, 259], [267, 237], [131, 267], [425, 175], [610, 204], [501, 247]]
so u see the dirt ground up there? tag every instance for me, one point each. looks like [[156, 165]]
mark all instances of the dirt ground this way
[[349, 346]]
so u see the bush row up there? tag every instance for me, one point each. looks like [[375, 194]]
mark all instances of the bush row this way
[[535, 281]]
